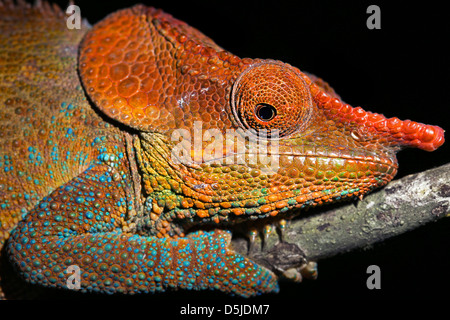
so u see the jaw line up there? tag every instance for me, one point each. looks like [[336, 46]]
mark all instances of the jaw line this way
[[388, 160]]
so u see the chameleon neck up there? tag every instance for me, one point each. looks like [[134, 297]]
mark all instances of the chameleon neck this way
[[162, 186]]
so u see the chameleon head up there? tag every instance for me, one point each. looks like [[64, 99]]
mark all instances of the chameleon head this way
[[327, 150], [272, 138]]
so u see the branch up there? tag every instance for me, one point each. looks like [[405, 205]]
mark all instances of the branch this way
[[403, 205]]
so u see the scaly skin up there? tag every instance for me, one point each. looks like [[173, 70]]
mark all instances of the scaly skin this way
[[88, 175]]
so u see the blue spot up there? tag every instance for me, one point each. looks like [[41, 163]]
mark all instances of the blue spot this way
[[79, 199]]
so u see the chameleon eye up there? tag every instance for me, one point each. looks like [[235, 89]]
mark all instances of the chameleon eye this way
[[271, 98], [265, 112]]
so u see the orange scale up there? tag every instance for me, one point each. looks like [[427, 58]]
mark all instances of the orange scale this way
[[137, 69], [119, 71], [237, 211], [301, 199], [428, 134], [128, 87], [410, 127], [95, 60], [131, 55], [394, 124], [114, 57], [103, 84], [119, 102], [375, 117], [138, 101], [274, 213], [281, 204], [335, 103]]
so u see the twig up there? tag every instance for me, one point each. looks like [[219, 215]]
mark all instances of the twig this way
[[403, 205]]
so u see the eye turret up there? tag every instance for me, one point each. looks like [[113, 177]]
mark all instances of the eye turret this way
[[271, 97]]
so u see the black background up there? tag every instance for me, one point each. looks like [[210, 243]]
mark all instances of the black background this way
[[400, 70]]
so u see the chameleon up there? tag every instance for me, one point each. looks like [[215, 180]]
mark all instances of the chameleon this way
[[102, 168]]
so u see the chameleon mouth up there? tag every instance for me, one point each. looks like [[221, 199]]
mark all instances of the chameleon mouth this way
[[244, 157], [330, 157]]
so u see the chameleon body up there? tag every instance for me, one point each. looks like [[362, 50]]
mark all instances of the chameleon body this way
[[89, 120]]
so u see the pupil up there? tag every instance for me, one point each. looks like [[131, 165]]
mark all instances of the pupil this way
[[265, 112]]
